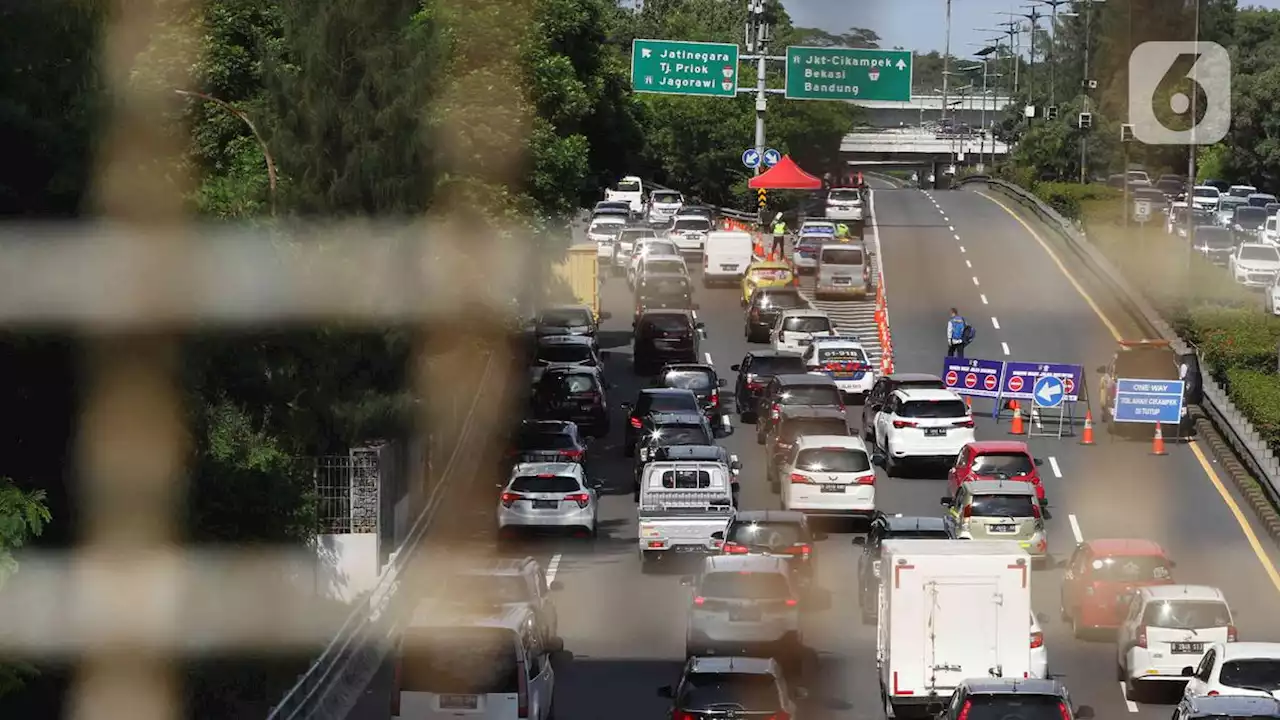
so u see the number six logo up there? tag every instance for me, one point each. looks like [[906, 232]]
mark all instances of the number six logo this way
[[1179, 93]]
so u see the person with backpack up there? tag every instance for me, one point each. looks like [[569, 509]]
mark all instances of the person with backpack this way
[[959, 334]]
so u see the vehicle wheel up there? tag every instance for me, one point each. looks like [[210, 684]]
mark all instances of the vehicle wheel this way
[[1121, 675], [1133, 690], [891, 466], [1076, 631], [759, 434]]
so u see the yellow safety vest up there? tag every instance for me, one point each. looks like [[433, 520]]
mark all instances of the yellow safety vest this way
[[779, 228], [842, 230]]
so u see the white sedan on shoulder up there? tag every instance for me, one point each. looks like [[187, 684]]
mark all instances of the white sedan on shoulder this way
[[794, 330]]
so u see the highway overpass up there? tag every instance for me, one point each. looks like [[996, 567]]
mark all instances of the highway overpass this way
[[928, 108]]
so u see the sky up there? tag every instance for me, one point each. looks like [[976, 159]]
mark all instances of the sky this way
[[919, 25]]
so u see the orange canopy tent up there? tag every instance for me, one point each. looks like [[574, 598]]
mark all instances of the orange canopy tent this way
[[786, 175]]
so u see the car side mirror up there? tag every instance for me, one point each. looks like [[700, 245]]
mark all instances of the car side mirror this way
[[666, 691], [717, 535], [1188, 671], [1042, 618], [1046, 513], [701, 326], [626, 406], [722, 382], [735, 368], [554, 645], [606, 315], [597, 484], [555, 585], [944, 501], [695, 306], [687, 581], [1102, 368], [1084, 712], [1039, 462], [860, 540]]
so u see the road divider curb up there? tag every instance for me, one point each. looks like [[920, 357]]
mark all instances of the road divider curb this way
[[1240, 477]]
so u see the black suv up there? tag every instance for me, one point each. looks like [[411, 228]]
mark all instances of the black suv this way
[[700, 379], [765, 306], [883, 390], [576, 394], [663, 336], [663, 291], [664, 429], [755, 371], [654, 400], [774, 532], [548, 441], [788, 390], [1013, 698], [889, 527], [732, 687], [795, 421]]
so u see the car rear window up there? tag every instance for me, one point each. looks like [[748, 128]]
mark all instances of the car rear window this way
[[780, 300], [1256, 674], [823, 395], [663, 266], [667, 402], [569, 317], [535, 440], [663, 287], [800, 427], [628, 187], [632, 236], [843, 256], [461, 661], [1012, 463], [695, 224], [1015, 707], [1131, 568], [668, 323], [565, 354], [754, 692], [686, 479], [835, 460], [745, 585], [814, 324], [683, 435], [766, 534], [1187, 614], [577, 383], [544, 484], [666, 198], [771, 273], [845, 195], [998, 506], [933, 409], [690, 379], [777, 365]]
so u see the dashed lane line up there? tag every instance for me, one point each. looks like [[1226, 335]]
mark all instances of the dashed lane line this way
[[1057, 471], [709, 361], [975, 280], [968, 264], [995, 323], [984, 299], [961, 247], [552, 568], [1005, 347], [1075, 529]]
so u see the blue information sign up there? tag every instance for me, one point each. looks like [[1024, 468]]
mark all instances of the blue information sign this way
[[771, 157], [973, 376], [1148, 401], [751, 158], [1048, 391], [1020, 380]]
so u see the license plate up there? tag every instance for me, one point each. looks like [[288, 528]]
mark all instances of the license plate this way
[[459, 702], [1187, 648], [728, 267], [804, 341], [842, 375], [843, 281], [935, 432], [1003, 528], [832, 488], [546, 504], [687, 548], [752, 615]]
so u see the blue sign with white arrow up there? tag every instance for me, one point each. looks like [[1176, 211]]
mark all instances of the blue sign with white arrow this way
[[1148, 401], [1048, 392], [771, 157], [751, 158]]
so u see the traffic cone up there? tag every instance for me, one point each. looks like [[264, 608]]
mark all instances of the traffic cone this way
[[1157, 442], [968, 402], [1016, 428], [1087, 437]]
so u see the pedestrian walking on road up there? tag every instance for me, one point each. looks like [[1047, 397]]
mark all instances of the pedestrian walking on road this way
[[779, 237], [959, 334]]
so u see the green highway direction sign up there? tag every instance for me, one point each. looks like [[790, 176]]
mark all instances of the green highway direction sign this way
[[675, 67], [815, 73]]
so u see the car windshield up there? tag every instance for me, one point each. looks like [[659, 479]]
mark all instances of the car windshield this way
[[695, 224], [922, 384], [659, 265], [1262, 253], [1214, 237], [845, 195], [812, 324], [1134, 568], [656, 247], [779, 300], [1207, 192], [749, 691], [566, 354], [842, 256], [1242, 191], [544, 484], [1015, 707], [686, 479], [668, 402], [459, 660], [1253, 674], [1187, 614], [819, 228], [833, 460], [811, 395], [665, 198], [842, 355], [1000, 506], [765, 534], [628, 186], [1012, 463], [800, 427], [690, 379], [933, 409], [605, 228], [541, 440], [1250, 217], [745, 585], [568, 317], [777, 365], [668, 323], [1230, 203], [576, 383], [683, 435], [1149, 364]]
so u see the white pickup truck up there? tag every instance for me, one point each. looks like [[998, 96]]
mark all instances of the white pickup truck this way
[[683, 504]]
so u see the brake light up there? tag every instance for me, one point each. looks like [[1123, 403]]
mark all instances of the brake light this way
[[803, 550], [583, 499], [509, 497], [899, 424], [635, 423], [776, 411], [678, 715], [1212, 693], [868, 479], [1037, 640], [1063, 711], [572, 454], [1035, 510], [798, 479], [1142, 636], [752, 385], [792, 602], [523, 690], [715, 398], [965, 423], [755, 313], [735, 549], [699, 600], [1231, 633], [964, 711], [780, 716], [968, 511]]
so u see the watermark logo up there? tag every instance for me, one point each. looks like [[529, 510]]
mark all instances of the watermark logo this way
[[1179, 93]]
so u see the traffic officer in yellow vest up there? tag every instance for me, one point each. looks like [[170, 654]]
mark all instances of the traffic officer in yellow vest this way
[[779, 233], [842, 232]]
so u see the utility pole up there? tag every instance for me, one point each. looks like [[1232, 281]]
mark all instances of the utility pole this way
[[1011, 29], [946, 66], [1088, 85], [1033, 16], [757, 41], [1053, 23]]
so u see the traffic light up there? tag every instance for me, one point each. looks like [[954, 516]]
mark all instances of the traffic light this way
[[762, 197]]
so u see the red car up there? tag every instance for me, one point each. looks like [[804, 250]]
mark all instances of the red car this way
[[1102, 574], [995, 460]]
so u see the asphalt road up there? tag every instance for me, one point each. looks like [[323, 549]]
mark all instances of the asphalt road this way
[[626, 629]]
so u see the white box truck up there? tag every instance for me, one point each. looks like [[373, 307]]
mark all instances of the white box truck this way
[[950, 610]]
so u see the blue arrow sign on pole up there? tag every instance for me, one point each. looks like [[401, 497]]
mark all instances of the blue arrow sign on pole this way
[[1048, 391], [771, 157], [751, 158]]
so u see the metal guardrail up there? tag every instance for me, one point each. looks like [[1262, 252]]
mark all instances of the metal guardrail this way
[[334, 682], [1239, 433]]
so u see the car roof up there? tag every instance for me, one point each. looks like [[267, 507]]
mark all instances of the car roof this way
[[907, 523], [676, 417], [782, 516], [804, 379], [564, 340], [1026, 686], [770, 352], [1243, 650], [1125, 546], [926, 394], [803, 312], [852, 442], [547, 468], [732, 664], [667, 311], [1000, 487], [437, 613], [691, 452], [662, 256], [811, 412], [495, 566], [1183, 592], [1251, 706], [685, 367], [667, 391], [561, 308], [745, 563], [547, 425], [1002, 446], [844, 244], [770, 265], [837, 342]]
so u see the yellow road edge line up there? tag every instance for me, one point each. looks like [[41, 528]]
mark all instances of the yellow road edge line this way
[[1245, 527]]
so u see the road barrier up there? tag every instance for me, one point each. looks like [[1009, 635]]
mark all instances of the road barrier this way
[[1243, 440]]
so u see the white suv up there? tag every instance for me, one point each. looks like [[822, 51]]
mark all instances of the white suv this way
[[844, 359], [923, 425], [830, 475], [1168, 628], [744, 602], [794, 330]]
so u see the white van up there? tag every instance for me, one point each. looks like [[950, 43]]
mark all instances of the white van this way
[[482, 663], [843, 269], [725, 256]]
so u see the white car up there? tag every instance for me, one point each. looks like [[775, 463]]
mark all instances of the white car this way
[[645, 248], [795, 329], [1174, 216], [1167, 629], [818, 227], [923, 425], [664, 204], [689, 233], [1206, 196], [844, 359], [603, 231], [549, 496], [844, 204], [1039, 653], [630, 190], [1238, 668], [829, 476], [1255, 264], [1241, 191]]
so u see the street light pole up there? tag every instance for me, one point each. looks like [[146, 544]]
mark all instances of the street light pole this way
[[756, 42], [1052, 56], [946, 64]]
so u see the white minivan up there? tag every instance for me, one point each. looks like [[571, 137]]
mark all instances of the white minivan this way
[[725, 256]]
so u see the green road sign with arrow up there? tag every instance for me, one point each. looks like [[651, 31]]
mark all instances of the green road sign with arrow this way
[[815, 73]]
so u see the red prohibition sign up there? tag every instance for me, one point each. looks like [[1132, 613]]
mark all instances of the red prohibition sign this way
[[1015, 383], [989, 382], [1068, 386], [970, 380], [952, 378]]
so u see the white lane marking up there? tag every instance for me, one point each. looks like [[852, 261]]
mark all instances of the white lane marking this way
[[1075, 529], [994, 322], [1131, 705], [1005, 347], [968, 264], [961, 247], [952, 228], [957, 236], [947, 220], [1057, 471], [552, 568], [1035, 418], [975, 280], [984, 299], [709, 362], [726, 422]]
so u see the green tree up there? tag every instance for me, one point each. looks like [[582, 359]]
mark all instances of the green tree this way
[[23, 516]]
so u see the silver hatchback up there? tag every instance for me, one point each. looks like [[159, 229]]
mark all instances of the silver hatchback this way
[[549, 496], [744, 605]]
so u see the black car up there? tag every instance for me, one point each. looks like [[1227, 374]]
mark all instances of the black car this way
[[548, 441], [1013, 698], [663, 291], [664, 430], [576, 394], [755, 371], [1247, 223], [884, 389], [665, 336], [765, 306], [568, 320], [755, 689], [1215, 244], [789, 390], [774, 532], [700, 379], [706, 453], [794, 422], [889, 527], [654, 400]]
